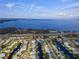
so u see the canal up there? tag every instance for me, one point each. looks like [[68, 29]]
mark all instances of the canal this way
[[66, 52], [40, 51], [14, 51]]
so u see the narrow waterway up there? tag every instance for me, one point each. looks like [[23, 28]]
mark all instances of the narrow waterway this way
[[66, 52], [14, 51], [40, 51]]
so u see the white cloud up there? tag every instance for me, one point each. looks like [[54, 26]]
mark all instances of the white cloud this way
[[10, 5], [72, 5], [32, 6], [35, 7], [68, 11], [64, 13], [61, 14], [39, 7], [73, 12]]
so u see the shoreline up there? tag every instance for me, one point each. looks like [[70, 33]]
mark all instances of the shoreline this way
[[14, 30]]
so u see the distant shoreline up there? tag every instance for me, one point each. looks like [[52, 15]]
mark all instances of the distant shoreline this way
[[14, 30], [6, 20], [2, 20]]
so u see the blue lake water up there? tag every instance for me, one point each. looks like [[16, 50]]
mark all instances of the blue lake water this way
[[55, 24]]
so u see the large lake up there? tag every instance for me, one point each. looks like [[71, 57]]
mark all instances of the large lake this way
[[55, 24]]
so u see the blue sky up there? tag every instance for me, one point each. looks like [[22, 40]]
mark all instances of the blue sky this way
[[39, 8]]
